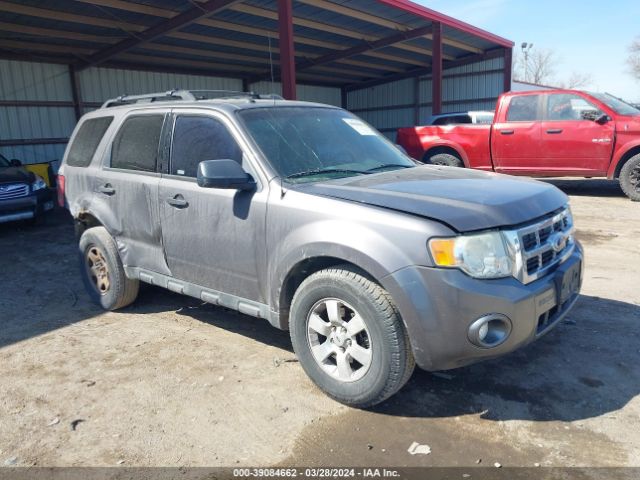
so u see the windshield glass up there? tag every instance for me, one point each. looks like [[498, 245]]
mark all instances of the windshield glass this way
[[617, 105], [3, 161], [306, 144]]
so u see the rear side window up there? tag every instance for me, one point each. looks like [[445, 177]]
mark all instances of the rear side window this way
[[523, 109], [197, 138], [453, 120], [136, 144], [86, 141]]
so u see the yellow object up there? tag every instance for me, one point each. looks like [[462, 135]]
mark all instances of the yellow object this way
[[442, 250], [40, 169]]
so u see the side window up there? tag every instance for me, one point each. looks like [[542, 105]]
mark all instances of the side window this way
[[568, 106], [86, 141], [136, 144], [198, 138], [523, 108]]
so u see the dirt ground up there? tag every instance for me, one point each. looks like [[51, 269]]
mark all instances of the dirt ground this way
[[171, 382]]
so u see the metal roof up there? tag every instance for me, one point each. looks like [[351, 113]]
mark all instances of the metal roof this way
[[337, 42]]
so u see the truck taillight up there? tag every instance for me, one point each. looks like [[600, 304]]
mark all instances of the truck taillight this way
[[61, 190]]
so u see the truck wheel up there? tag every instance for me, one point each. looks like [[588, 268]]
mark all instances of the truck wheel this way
[[445, 159], [102, 271], [630, 178], [349, 337]]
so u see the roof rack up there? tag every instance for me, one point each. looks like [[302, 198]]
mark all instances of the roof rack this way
[[184, 95]]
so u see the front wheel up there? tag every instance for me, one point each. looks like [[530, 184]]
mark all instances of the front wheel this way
[[630, 178], [349, 337]]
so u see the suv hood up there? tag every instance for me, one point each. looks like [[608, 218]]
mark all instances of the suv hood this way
[[463, 199], [14, 175]]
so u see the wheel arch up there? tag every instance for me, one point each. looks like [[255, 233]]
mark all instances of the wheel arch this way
[[445, 148], [624, 158], [304, 268]]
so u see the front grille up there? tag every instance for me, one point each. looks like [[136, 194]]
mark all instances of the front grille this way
[[13, 190], [542, 246]]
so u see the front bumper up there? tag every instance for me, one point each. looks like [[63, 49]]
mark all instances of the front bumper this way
[[439, 305], [28, 207]]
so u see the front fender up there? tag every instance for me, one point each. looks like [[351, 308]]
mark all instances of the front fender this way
[[356, 244], [619, 155]]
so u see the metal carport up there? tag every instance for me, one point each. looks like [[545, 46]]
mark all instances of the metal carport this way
[[379, 58]]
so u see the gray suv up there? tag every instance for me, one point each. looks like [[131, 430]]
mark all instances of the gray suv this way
[[304, 215]]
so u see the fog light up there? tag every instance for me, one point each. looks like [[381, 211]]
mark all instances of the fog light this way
[[490, 330]]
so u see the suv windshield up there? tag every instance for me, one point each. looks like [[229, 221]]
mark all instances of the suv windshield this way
[[306, 144], [4, 162], [617, 105]]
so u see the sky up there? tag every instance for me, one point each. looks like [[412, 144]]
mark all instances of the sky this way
[[588, 36]]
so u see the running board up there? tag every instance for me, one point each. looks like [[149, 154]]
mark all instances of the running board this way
[[242, 305]]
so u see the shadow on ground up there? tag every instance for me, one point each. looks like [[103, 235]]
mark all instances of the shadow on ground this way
[[587, 187], [585, 368]]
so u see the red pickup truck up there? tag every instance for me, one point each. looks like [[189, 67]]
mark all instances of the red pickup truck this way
[[550, 133]]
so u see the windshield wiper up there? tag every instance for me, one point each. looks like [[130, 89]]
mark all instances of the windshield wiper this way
[[321, 171], [388, 165]]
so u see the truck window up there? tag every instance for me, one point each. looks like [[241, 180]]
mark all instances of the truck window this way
[[136, 144], [523, 108], [86, 141], [198, 138], [452, 120], [568, 106]]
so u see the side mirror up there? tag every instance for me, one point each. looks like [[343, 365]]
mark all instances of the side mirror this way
[[224, 174], [602, 119], [14, 162]]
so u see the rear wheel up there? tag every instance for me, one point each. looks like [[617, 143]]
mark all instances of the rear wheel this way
[[446, 159], [102, 270], [630, 178], [349, 337]]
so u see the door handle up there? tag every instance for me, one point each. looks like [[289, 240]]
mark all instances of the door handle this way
[[178, 201], [506, 132], [553, 131], [107, 189]]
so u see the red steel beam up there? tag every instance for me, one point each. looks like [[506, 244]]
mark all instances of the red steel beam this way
[[436, 70], [287, 54]]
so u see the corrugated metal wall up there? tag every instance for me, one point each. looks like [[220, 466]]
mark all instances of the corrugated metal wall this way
[[307, 93], [34, 82], [99, 84], [390, 106], [24, 82]]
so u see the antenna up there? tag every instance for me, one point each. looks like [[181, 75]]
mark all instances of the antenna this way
[[271, 69]]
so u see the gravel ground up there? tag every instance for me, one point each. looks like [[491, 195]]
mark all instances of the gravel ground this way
[[171, 382]]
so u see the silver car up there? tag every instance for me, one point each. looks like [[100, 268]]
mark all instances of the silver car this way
[[304, 215]]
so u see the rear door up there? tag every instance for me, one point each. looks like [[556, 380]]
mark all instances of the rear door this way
[[515, 141], [572, 142], [127, 188], [212, 237]]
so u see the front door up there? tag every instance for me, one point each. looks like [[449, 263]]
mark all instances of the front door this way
[[214, 238], [572, 142]]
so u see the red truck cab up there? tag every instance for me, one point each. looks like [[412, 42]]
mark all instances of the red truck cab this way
[[550, 133]]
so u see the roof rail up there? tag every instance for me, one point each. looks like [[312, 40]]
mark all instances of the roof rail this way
[[183, 95]]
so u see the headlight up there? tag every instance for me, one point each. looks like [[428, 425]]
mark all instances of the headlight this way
[[481, 256], [38, 184]]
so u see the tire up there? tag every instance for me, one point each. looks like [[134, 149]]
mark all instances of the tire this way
[[446, 159], [102, 271], [386, 363], [630, 178]]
